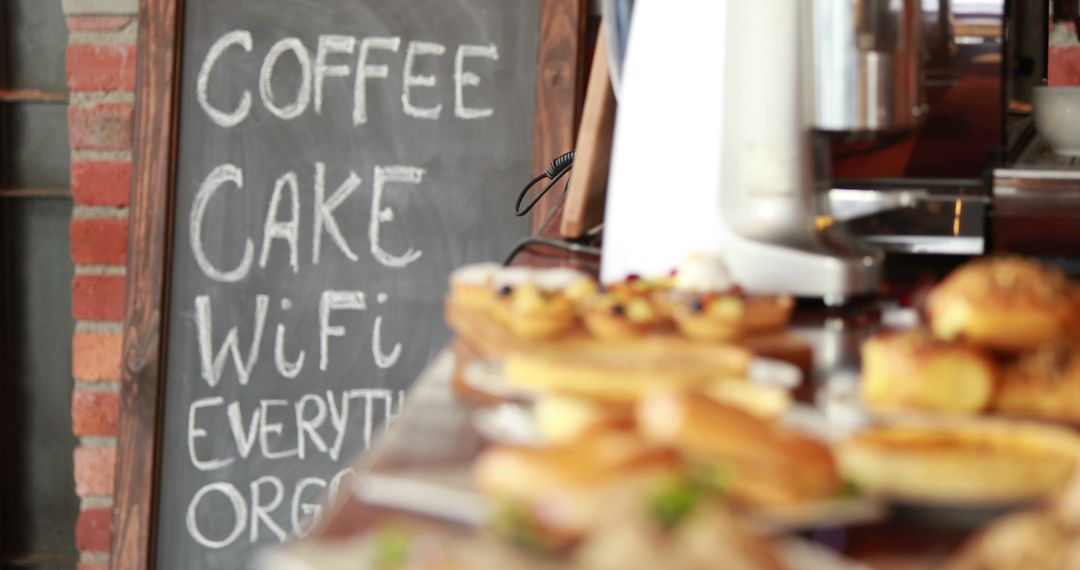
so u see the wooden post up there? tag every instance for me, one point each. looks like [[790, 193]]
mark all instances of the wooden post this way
[[146, 298], [559, 74], [585, 199]]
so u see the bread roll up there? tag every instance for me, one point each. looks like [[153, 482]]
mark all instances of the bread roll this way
[[761, 464], [592, 460], [1042, 383], [1007, 304], [911, 370]]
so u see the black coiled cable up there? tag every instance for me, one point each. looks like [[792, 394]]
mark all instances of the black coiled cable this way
[[558, 168]]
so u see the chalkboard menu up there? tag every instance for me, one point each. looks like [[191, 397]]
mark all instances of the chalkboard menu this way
[[324, 164]]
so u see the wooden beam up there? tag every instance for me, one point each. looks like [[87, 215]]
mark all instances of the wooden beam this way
[[62, 193], [34, 559], [585, 197], [146, 299], [559, 93], [31, 96]]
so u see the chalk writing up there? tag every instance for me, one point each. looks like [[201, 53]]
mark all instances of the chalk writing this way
[[247, 414]]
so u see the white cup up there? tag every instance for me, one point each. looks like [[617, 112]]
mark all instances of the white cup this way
[[1057, 116]]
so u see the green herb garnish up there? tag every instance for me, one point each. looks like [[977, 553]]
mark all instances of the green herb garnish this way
[[391, 549], [516, 523], [671, 504], [849, 490], [714, 475]]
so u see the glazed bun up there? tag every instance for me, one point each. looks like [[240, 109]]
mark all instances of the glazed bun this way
[[1007, 304], [1042, 383], [911, 370]]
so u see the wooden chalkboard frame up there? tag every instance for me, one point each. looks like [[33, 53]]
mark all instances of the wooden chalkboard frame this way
[[558, 97]]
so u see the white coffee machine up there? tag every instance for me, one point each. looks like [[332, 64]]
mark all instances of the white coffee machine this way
[[713, 147]]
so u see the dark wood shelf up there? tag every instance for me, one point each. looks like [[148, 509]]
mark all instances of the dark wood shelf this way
[[31, 96], [34, 559], [63, 193]]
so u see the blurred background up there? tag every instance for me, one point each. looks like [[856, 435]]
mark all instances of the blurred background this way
[[38, 503]]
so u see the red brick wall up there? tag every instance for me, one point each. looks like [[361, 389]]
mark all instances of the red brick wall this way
[[1063, 66], [101, 81]]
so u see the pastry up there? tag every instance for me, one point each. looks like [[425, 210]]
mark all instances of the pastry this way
[[625, 370], [472, 287], [1026, 541], [707, 305], [536, 304], [400, 542], [768, 402], [1040, 539], [562, 418], [624, 310], [961, 460], [610, 501], [1043, 383], [757, 463], [707, 536], [723, 316], [1007, 303], [548, 498], [912, 370]]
